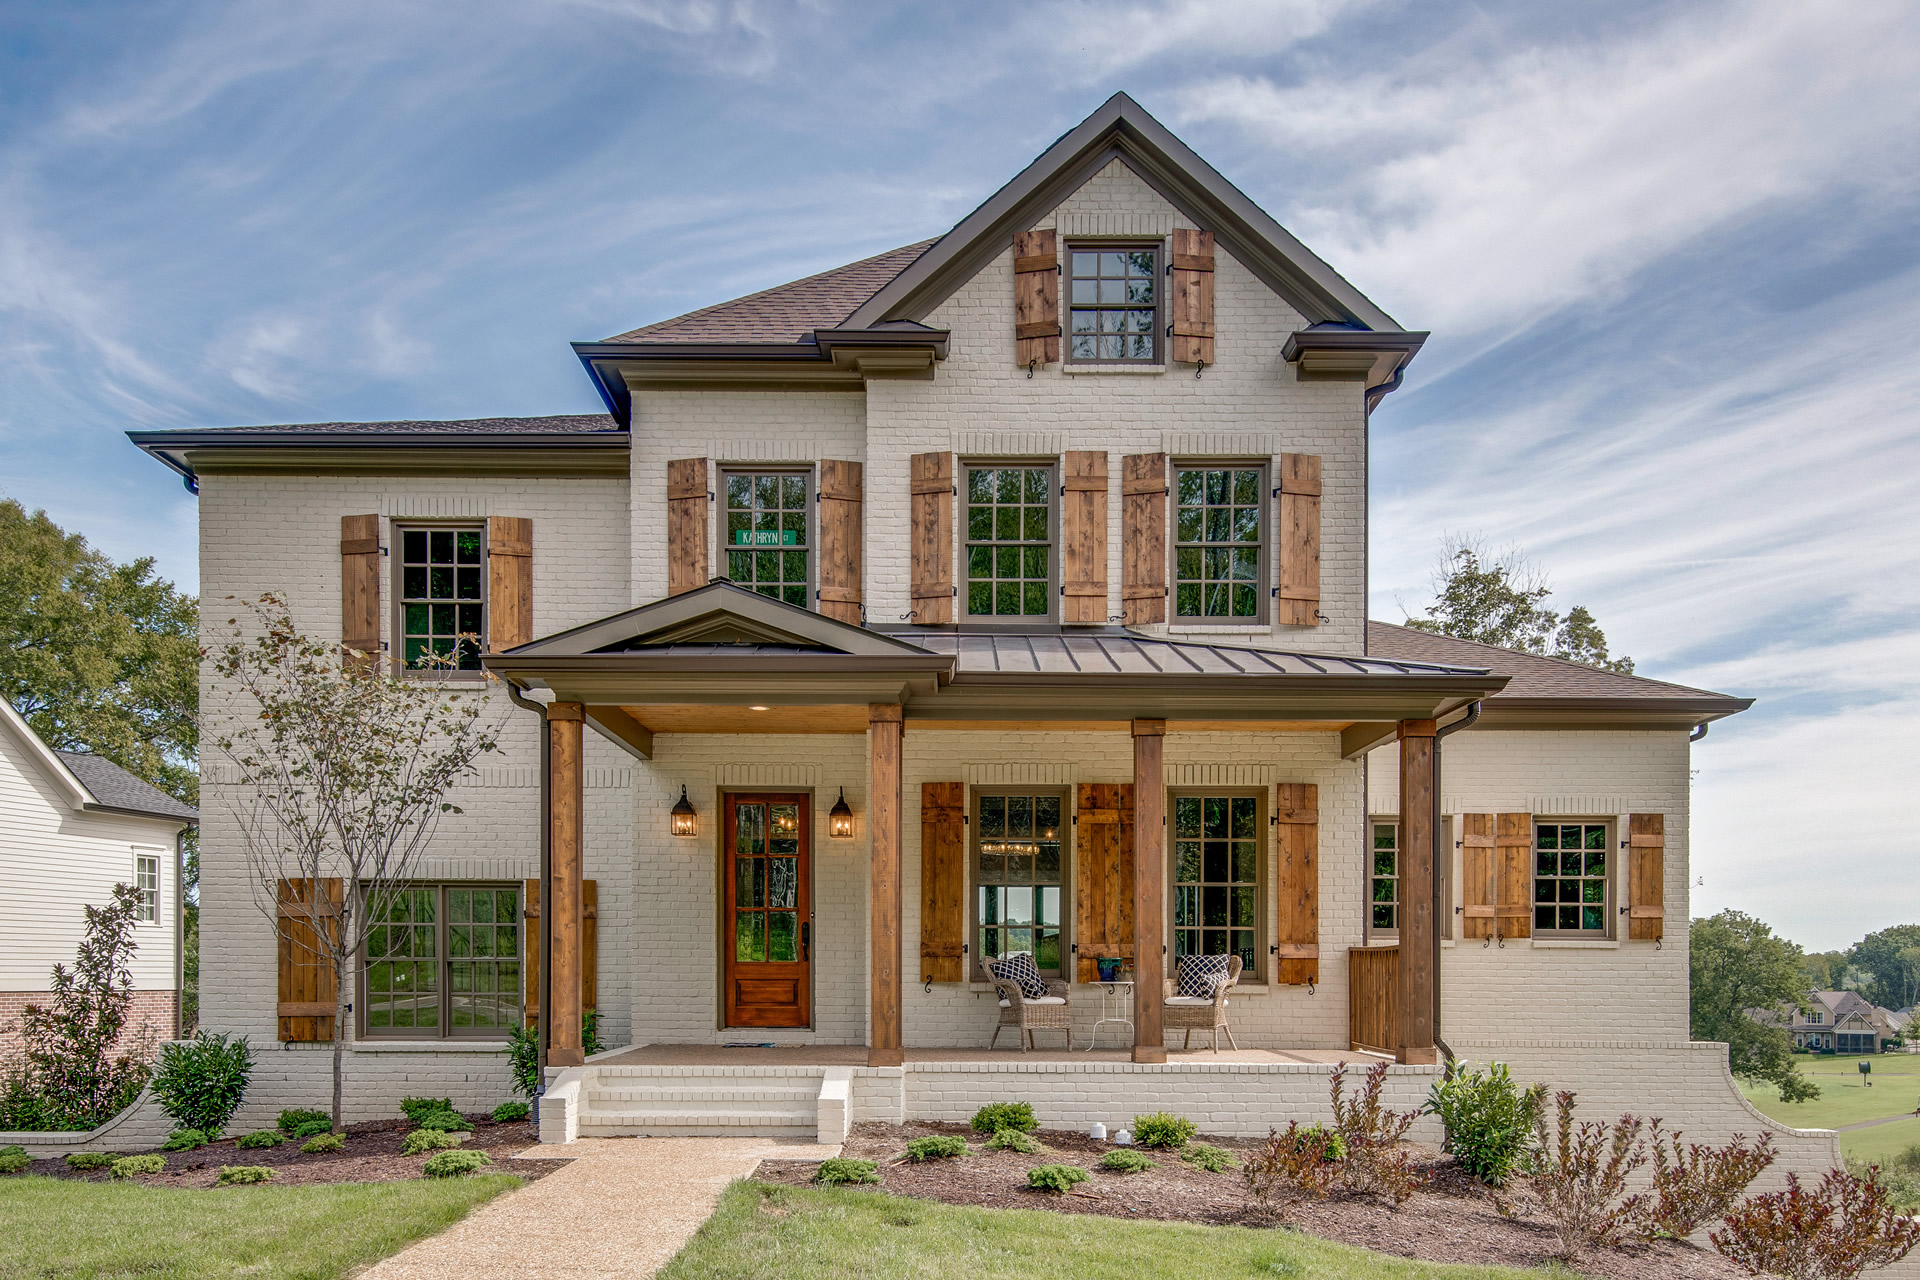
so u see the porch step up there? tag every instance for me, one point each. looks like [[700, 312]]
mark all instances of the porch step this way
[[701, 1099], [700, 1124], [704, 1101]]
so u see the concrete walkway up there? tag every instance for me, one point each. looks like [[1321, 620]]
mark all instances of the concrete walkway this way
[[621, 1208]]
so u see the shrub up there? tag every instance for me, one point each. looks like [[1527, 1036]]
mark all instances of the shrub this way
[[184, 1140], [200, 1083], [936, 1147], [86, 1161], [1057, 1178], [451, 1121], [1204, 1155], [263, 1138], [418, 1109], [508, 1112], [1163, 1129], [523, 1051], [1126, 1160], [1582, 1174], [1843, 1227], [845, 1169], [234, 1175], [1902, 1179], [292, 1118], [14, 1161], [1374, 1163], [455, 1164], [424, 1140], [996, 1116], [1695, 1184], [1488, 1118], [312, 1129], [133, 1166], [321, 1144], [1291, 1165], [1336, 1146], [1015, 1140]]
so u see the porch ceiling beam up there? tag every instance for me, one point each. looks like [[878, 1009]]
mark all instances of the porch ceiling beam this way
[[1358, 739], [622, 730]]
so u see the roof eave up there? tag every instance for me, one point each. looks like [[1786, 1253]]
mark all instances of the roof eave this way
[[176, 450], [1507, 712], [845, 354]]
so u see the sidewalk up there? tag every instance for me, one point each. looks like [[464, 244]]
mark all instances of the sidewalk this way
[[621, 1208]]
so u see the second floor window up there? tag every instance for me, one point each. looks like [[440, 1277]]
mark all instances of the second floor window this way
[[1219, 545], [767, 546], [442, 598], [1009, 542], [1115, 304]]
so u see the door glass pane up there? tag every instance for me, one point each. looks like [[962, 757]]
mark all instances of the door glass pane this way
[[749, 883], [751, 834], [783, 935], [749, 936], [783, 882]]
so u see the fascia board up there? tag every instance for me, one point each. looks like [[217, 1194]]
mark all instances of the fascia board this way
[[1607, 713], [715, 600], [68, 783]]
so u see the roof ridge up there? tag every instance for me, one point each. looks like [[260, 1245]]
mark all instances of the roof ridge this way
[[1546, 657]]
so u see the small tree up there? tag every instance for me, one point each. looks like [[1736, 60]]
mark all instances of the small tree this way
[[344, 770], [1500, 599]]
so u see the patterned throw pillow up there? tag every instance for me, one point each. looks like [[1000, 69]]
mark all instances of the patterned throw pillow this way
[[1199, 975], [1019, 967]]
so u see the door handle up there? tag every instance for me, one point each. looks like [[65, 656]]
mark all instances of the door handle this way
[[806, 939]]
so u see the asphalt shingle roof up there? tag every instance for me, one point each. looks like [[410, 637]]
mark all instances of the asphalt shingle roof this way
[[1532, 675], [117, 789]]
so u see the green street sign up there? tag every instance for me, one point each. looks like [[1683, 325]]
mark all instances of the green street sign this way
[[766, 537]]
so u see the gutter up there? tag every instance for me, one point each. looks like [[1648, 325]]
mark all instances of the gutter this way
[[546, 914], [168, 447], [1442, 848]]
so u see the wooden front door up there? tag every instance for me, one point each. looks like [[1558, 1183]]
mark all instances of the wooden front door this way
[[768, 923]]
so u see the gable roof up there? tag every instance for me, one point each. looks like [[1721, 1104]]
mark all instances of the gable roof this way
[[87, 781]]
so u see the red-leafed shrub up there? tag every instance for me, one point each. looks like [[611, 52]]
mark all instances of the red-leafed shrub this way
[[1696, 1184], [1843, 1227], [1290, 1166], [1376, 1164], [1580, 1176]]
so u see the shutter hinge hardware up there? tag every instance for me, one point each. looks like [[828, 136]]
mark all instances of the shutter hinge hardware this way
[[1031, 365], [1199, 367]]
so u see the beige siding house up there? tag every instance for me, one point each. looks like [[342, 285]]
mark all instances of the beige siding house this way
[[1002, 594]]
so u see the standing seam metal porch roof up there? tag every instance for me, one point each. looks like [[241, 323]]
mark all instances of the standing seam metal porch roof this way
[[1122, 653]]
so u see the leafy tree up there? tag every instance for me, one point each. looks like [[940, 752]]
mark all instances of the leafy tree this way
[[1737, 964], [1824, 970], [1502, 601], [1891, 979]]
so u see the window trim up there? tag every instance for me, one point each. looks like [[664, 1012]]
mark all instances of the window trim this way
[[1162, 278], [1263, 584], [977, 968], [810, 505], [1449, 851], [444, 1031], [397, 612], [1263, 892], [1015, 622], [1610, 825], [140, 855]]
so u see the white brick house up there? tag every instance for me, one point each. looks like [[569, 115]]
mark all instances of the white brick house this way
[[1035, 538]]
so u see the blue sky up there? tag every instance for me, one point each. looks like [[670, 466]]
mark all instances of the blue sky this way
[[1669, 255]]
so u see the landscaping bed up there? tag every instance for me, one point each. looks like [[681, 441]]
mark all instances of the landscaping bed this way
[[1453, 1219]]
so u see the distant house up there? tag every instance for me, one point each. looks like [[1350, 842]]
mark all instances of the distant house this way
[[72, 826], [1837, 1022]]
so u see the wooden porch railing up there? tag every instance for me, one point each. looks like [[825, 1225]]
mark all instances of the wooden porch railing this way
[[1373, 998]]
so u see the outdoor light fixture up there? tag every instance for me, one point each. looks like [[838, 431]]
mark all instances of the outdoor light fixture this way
[[686, 820], [840, 819]]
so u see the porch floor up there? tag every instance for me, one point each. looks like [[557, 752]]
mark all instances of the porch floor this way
[[855, 1055]]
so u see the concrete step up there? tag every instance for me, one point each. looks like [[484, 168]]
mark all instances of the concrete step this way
[[710, 1123], [667, 1099]]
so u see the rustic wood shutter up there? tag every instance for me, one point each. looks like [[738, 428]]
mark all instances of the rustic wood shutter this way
[[1513, 850], [1481, 873], [305, 911], [686, 525], [1297, 940], [1299, 539], [1083, 538], [1102, 874], [589, 946], [509, 582], [1191, 296], [1646, 876], [943, 881], [360, 583], [841, 489], [931, 545], [1036, 298], [1143, 538]]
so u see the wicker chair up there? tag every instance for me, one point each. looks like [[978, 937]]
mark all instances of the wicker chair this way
[[1195, 1013], [1027, 1015]]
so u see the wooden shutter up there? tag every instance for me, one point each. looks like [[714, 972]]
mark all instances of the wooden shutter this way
[[686, 525], [1480, 871], [931, 537], [307, 910], [1297, 940], [1102, 874], [841, 530], [1646, 876], [1083, 538], [1299, 539], [1143, 538], [1513, 851], [360, 583], [509, 582], [589, 946], [1191, 296], [1036, 298], [943, 881]]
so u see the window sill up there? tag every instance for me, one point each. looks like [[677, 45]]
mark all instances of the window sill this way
[[1576, 944], [1075, 370], [429, 1046], [1219, 629]]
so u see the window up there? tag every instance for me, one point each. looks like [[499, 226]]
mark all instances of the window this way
[[443, 960], [1815, 1018], [1385, 881], [1018, 877], [1219, 551], [146, 880], [1570, 877], [768, 547], [1115, 304], [1217, 840], [442, 597], [1009, 541]]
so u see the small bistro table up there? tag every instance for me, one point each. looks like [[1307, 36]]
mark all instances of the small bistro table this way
[[1116, 1005]]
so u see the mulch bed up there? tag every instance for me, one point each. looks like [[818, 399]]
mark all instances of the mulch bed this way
[[1453, 1220], [372, 1154]]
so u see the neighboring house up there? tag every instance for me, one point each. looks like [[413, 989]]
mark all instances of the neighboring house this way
[[1836, 1022], [72, 826], [1042, 546]]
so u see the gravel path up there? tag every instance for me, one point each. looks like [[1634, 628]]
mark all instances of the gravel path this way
[[622, 1207]]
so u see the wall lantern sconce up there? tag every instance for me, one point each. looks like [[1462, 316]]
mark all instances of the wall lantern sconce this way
[[840, 819], [686, 819]]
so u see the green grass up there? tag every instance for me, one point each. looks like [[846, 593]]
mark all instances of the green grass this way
[[772, 1233], [1845, 1099], [264, 1232]]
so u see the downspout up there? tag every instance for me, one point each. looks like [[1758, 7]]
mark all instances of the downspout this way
[[1442, 860], [546, 874], [179, 929], [1699, 732]]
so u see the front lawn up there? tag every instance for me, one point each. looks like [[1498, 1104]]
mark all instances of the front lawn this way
[[59, 1228], [769, 1232], [1845, 1099]]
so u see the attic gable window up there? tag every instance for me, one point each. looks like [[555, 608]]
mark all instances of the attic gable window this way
[[1115, 303], [768, 546]]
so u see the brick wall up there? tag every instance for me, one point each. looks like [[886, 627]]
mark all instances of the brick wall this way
[[149, 1019]]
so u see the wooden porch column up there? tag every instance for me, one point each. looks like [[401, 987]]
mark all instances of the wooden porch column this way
[[885, 727], [1149, 889], [563, 906], [1416, 902]]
